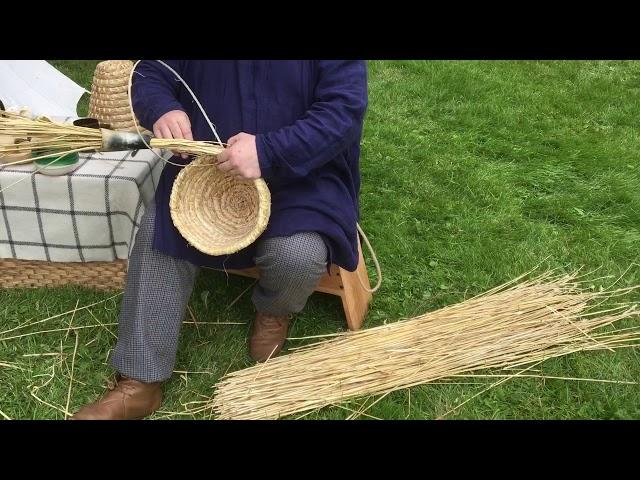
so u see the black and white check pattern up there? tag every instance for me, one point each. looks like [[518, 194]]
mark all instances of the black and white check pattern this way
[[91, 214]]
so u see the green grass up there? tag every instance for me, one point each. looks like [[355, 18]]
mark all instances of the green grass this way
[[473, 172], [81, 71]]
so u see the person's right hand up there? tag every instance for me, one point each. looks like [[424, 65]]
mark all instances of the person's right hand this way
[[173, 124]]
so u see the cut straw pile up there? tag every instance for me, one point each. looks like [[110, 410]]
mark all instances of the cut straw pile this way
[[513, 325]]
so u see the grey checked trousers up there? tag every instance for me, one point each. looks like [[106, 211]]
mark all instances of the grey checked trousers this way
[[158, 289]]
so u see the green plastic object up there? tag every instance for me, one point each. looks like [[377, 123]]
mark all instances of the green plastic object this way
[[55, 160]]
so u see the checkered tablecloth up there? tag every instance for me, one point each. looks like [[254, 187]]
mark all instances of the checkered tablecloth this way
[[91, 214]]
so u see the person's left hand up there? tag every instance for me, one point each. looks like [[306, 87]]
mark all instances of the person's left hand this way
[[240, 158]]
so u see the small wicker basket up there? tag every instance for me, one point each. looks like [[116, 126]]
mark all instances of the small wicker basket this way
[[215, 212]]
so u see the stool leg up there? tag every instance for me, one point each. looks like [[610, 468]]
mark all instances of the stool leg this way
[[355, 299]]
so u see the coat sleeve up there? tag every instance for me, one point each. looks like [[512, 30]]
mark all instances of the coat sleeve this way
[[154, 91], [332, 123]]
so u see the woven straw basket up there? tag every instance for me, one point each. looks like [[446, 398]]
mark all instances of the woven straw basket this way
[[215, 212], [109, 101], [16, 273]]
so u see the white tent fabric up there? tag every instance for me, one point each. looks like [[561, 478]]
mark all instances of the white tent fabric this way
[[39, 86]]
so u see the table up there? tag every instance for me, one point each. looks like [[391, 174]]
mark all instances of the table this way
[[89, 215]]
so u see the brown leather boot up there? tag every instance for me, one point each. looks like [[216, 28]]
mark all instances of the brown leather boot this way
[[268, 335], [128, 399]]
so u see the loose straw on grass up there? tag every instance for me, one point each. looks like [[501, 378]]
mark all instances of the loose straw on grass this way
[[39, 332], [493, 385], [73, 363], [11, 365], [216, 323], [103, 325], [51, 354], [28, 323], [66, 335], [50, 405], [193, 317], [548, 377], [521, 323]]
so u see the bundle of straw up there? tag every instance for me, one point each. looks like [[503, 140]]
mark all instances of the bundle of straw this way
[[46, 136], [190, 147], [509, 326], [60, 138]]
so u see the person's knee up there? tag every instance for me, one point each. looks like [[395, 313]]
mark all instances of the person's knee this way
[[290, 269], [303, 254]]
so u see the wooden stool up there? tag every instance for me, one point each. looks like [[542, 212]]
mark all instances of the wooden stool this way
[[345, 284]]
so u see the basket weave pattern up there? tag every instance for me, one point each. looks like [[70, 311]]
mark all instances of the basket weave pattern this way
[[36, 274], [109, 101], [217, 213]]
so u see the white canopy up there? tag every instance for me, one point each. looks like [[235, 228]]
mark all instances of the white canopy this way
[[39, 86]]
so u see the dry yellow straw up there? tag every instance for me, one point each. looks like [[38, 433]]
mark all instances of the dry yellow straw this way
[[47, 136], [191, 147], [512, 325], [59, 138]]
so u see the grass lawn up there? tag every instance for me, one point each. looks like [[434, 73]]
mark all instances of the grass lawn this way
[[473, 172]]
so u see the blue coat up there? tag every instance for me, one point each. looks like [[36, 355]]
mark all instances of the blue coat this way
[[307, 117]]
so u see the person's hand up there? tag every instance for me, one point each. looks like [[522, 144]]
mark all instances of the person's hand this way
[[240, 158], [173, 124]]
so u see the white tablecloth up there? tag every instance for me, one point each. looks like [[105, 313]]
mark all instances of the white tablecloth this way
[[91, 214]]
